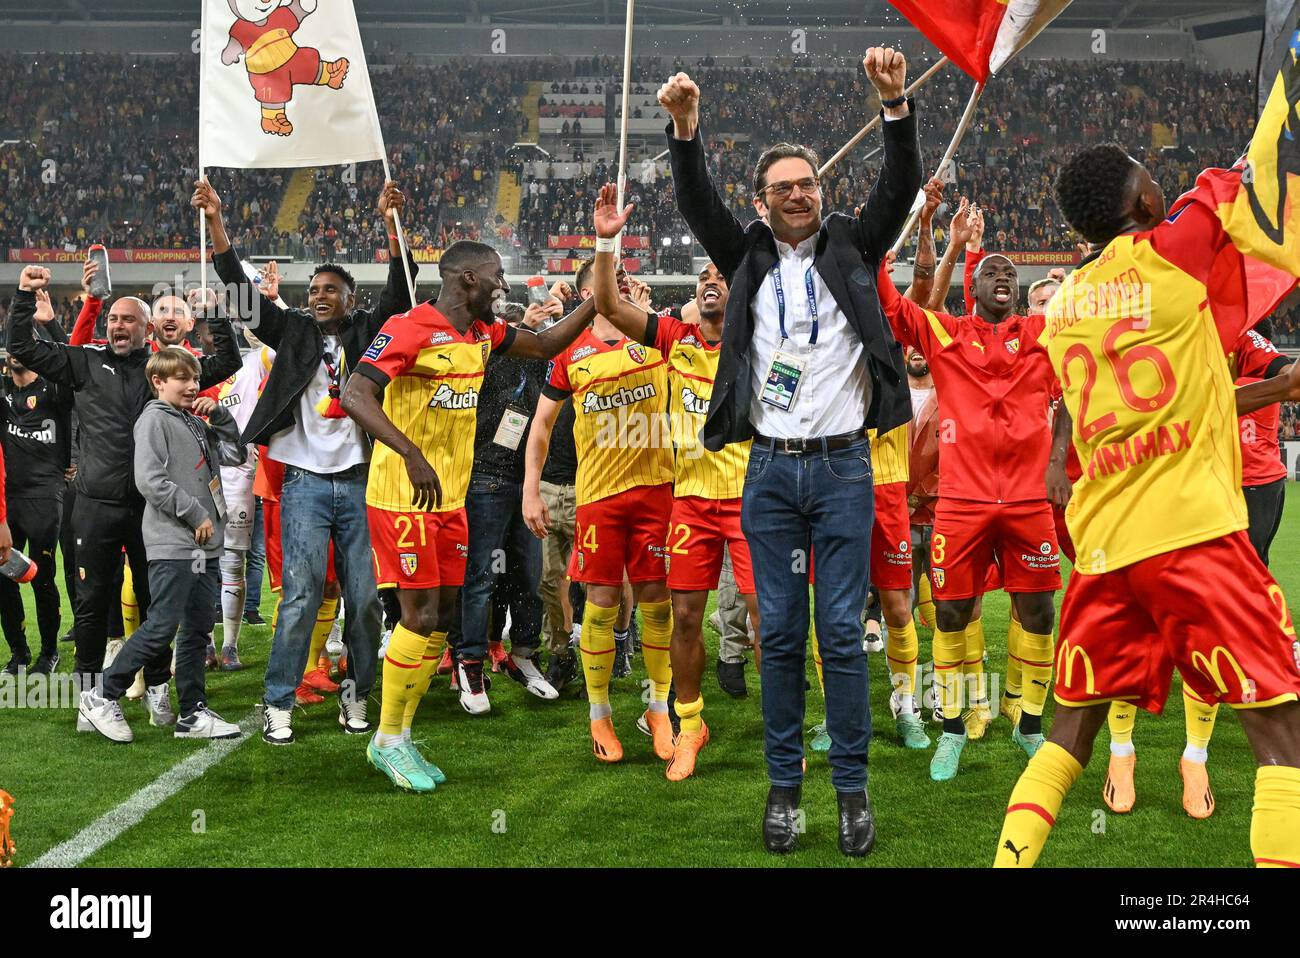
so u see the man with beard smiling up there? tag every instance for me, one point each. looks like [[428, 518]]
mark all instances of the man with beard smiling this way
[[995, 386], [300, 418], [111, 391]]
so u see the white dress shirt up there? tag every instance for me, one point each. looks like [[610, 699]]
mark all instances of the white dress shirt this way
[[835, 389]]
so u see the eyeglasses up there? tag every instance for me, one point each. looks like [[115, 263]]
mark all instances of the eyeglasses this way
[[807, 185]]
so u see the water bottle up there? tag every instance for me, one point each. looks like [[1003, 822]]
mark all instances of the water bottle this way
[[101, 287], [537, 291], [18, 567]]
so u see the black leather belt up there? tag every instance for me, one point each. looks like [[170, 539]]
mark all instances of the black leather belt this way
[[798, 447]]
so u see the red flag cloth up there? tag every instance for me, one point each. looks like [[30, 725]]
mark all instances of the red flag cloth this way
[[964, 30]]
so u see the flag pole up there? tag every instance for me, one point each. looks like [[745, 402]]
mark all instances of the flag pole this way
[[875, 120], [203, 220], [962, 127], [622, 135]]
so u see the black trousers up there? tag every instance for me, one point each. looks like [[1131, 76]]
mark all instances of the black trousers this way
[[35, 527], [1264, 506], [103, 530], [68, 546], [185, 600]]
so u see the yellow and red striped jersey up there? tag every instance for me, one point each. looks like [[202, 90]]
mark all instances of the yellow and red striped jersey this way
[[889, 455], [620, 401], [1138, 338], [431, 373], [693, 366]]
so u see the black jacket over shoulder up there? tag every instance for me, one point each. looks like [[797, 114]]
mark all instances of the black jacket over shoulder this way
[[111, 392], [848, 254], [298, 343]]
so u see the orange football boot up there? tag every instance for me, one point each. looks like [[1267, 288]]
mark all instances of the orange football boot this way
[[686, 748], [1118, 791], [604, 742], [661, 728], [337, 71], [318, 680], [1198, 800]]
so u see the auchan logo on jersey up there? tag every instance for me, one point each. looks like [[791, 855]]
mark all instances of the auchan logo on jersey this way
[[447, 398], [594, 402], [1162, 441]]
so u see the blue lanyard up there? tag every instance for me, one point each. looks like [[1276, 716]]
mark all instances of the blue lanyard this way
[[780, 301], [519, 390]]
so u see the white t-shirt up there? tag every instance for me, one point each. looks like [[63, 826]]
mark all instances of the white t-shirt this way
[[313, 442], [920, 396]]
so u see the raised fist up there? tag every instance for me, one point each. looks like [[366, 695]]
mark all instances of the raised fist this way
[[205, 198], [33, 278], [886, 68], [681, 98]]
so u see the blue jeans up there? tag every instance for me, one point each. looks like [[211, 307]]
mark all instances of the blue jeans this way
[[500, 544], [794, 505], [256, 568], [313, 510]]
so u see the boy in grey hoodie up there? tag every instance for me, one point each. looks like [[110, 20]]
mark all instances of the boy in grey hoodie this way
[[178, 459]]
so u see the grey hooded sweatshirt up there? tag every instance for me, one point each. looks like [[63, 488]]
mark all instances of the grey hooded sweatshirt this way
[[180, 477]]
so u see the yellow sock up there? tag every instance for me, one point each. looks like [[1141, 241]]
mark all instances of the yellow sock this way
[[272, 114], [1275, 824], [424, 676], [1199, 716], [320, 632], [1036, 668], [949, 650], [817, 659], [1121, 718], [1015, 665], [656, 638], [901, 653], [130, 608], [689, 712], [1035, 802], [597, 647], [972, 666], [925, 601], [401, 671]]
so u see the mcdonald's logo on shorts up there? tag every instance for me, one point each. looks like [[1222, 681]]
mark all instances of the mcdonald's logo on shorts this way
[[1066, 656], [1211, 669]]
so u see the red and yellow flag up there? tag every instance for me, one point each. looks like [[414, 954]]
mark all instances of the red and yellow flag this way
[[1260, 214], [980, 36]]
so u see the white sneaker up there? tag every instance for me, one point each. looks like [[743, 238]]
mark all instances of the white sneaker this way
[[873, 642], [205, 723], [383, 643], [524, 671], [276, 727], [83, 724], [352, 711], [160, 706], [111, 650], [105, 717], [473, 692], [334, 644]]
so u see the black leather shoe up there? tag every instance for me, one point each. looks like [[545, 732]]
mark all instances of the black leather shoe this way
[[780, 819], [857, 824], [731, 678]]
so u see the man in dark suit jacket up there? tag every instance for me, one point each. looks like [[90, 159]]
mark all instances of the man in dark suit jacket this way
[[808, 364]]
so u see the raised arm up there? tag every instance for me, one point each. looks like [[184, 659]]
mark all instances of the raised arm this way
[[959, 231], [83, 330], [225, 362], [254, 310], [536, 515], [974, 253], [923, 269], [709, 218], [628, 318], [528, 344], [890, 201], [65, 365], [395, 297]]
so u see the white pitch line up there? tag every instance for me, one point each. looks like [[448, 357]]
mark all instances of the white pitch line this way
[[112, 824]]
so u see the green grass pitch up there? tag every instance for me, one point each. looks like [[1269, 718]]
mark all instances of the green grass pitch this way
[[524, 788]]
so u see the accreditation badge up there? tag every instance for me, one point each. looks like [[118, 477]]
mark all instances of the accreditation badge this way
[[781, 388]]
